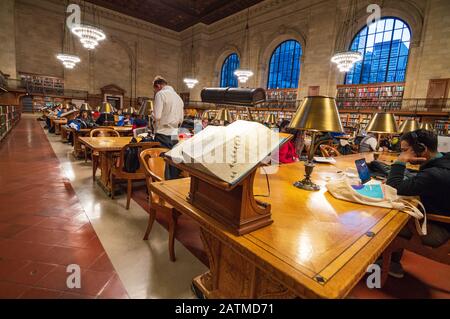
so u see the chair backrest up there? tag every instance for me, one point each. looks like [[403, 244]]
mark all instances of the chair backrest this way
[[141, 146], [329, 151], [104, 132], [154, 165], [139, 130]]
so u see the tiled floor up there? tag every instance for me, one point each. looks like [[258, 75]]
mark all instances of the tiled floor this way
[[43, 227], [143, 266]]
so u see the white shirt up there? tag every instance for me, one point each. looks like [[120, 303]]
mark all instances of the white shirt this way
[[168, 111]]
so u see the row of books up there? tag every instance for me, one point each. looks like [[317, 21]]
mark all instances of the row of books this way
[[9, 116]]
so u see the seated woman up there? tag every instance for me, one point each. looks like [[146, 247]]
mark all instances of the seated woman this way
[[287, 152]]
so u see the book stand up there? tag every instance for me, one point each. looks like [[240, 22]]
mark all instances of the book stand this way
[[234, 206]]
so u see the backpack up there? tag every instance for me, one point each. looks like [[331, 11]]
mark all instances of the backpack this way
[[131, 158]]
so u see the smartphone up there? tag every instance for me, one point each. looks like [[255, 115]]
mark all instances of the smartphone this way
[[363, 170]]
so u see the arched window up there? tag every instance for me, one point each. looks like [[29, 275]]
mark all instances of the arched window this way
[[284, 66], [385, 48], [227, 77]]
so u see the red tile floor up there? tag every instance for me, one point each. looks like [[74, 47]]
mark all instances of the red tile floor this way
[[43, 227]]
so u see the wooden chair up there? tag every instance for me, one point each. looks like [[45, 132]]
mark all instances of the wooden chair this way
[[154, 169], [329, 151], [98, 132], [118, 172], [414, 244]]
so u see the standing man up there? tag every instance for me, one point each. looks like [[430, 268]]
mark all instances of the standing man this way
[[168, 114]]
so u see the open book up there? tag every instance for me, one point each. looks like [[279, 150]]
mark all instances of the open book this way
[[228, 153]]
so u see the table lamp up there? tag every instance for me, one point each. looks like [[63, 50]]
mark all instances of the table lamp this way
[[224, 115], [249, 114], [427, 127], [271, 119], [382, 123], [85, 107], [208, 115], [315, 114], [106, 108], [146, 109], [130, 110], [408, 126]]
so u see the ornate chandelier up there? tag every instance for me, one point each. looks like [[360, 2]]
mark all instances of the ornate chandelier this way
[[346, 60], [190, 83], [243, 75], [89, 36], [69, 61]]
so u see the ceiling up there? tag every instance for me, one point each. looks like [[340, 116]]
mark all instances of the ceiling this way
[[177, 14]]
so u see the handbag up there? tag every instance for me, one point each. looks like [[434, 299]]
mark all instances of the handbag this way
[[342, 189]]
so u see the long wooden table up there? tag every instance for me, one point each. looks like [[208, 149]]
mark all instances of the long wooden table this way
[[77, 150], [317, 246], [106, 147]]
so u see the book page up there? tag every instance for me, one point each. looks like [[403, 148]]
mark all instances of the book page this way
[[228, 153]]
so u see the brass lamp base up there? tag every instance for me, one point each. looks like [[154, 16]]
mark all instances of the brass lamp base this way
[[306, 183]]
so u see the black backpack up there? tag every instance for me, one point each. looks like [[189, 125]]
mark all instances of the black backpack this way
[[131, 158]]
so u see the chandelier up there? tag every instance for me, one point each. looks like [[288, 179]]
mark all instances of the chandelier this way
[[244, 74], [89, 36], [69, 61], [346, 59], [190, 83]]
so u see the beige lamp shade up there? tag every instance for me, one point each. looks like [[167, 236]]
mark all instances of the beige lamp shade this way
[[106, 108], [271, 119], [427, 127], [85, 107], [147, 108], [408, 126], [238, 116], [382, 123], [317, 113], [224, 115]]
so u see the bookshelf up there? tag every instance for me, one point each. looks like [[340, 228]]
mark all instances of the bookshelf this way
[[383, 96], [442, 127], [42, 83], [352, 122], [9, 116], [281, 98]]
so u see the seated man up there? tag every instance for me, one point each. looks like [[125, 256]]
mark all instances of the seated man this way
[[431, 183]]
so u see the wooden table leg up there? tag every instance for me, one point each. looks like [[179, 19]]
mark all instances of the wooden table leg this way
[[106, 163]]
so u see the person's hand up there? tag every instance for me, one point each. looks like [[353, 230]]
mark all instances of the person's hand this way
[[409, 156]]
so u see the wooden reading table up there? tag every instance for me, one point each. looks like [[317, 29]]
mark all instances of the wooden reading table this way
[[107, 147], [78, 151], [316, 247]]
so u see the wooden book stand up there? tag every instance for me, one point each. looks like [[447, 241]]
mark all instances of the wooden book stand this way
[[234, 206]]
